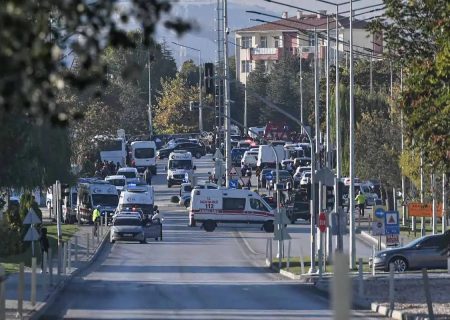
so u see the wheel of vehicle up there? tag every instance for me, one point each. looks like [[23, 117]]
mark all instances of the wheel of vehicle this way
[[169, 185], [198, 155], [187, 203], [143, 241], [293, 221], [400, 264], [113, 241], [209, 225], [156, 239], [268, 226]]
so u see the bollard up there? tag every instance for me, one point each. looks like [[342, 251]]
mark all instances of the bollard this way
[[391, 287], [2, 294], [341, 288], [373, 260], [401, 242], [426, 287], [98, 235], [50, 265], [69, 255], [93, 241], [360, 277], [87, 244], [33, 281], [302, 263], [20, 290], [76, 249], [319, 253], [64, 260], [44, 272], [448, 264], [270, 253], [288, 263], [267, 252]]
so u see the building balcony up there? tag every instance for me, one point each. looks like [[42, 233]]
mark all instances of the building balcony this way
[[265, 54]]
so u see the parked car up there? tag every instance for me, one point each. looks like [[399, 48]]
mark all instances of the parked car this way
[[285, 178], [306, 178], [421, 253]]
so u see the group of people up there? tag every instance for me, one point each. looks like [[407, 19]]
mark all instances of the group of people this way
[[106, 168]]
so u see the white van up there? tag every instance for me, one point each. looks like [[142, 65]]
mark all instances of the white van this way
[[138, 197], [143, 155], [212, 206], [266, 156], [131, 174], [180, 168]]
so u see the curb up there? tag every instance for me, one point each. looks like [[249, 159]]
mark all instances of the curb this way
[[393, 314], [36, 313]]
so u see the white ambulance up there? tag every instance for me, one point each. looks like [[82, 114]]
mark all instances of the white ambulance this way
[[213, 206], [138, 197], [180, 167], [93, 193]]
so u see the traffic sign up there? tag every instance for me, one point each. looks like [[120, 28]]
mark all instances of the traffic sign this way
[[269, 176], [392, 239], [31, 235], [218, 154], [233, 172], [378, 225], [31, 217], [322, 222], [233, 184], [391, 222]]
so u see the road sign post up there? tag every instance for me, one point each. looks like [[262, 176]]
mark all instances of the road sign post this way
[[392, 227]]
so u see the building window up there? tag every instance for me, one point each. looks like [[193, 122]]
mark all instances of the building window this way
[[311, 40], [246, 42], [246, 66], [263, 42], [277, 42]]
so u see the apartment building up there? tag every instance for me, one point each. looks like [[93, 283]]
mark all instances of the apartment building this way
[[294, 35]]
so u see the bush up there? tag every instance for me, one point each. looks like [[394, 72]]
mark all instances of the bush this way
[[10, 240]]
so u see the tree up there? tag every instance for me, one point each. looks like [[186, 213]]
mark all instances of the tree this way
[[256, 82], [417, 36], [172, 113], [377, 148], [36, 36]]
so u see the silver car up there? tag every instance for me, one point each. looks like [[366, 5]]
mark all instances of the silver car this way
[[421, 253], [127, 228]]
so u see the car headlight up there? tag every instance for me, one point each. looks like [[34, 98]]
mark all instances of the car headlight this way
[[382, 255]]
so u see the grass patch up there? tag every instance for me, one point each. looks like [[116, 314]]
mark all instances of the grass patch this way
[[295, 267], [11, 263]]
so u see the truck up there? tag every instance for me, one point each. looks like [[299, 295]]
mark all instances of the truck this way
[[266, 156], [95, 193], [180, 168], [143, 155], [213, 206]]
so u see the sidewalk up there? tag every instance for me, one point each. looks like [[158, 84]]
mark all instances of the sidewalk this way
[[48, 286]]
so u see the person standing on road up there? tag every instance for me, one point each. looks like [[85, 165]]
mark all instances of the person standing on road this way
[[96, 219], [360, 200], [148, 176], [43, 241]]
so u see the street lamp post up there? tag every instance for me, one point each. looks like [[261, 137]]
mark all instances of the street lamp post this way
[[200, 105], [150, 115]]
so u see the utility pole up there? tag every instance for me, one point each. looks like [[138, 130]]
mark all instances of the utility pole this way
[[422, 220], [327, 96], [227, 95], [245, 90], [150, 116], [340, 238], [316, 94], [301, 83], [444, 202], [352, 244], [200, 103], [403, 145]]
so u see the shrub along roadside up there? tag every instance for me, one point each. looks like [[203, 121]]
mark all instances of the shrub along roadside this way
[[12, 262]]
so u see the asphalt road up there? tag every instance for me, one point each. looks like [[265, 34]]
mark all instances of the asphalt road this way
[[191, 274]]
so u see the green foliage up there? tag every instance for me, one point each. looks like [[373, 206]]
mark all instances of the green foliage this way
[[377, 146], [417, 35], [27, 152], [172, 113], [256, 82], [36, 34], [10, 240]]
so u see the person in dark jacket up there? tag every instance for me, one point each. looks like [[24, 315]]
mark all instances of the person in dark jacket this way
[[148, 176], [43, 241]]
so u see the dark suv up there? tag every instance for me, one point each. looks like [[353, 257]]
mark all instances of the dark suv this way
[[196, 149]]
